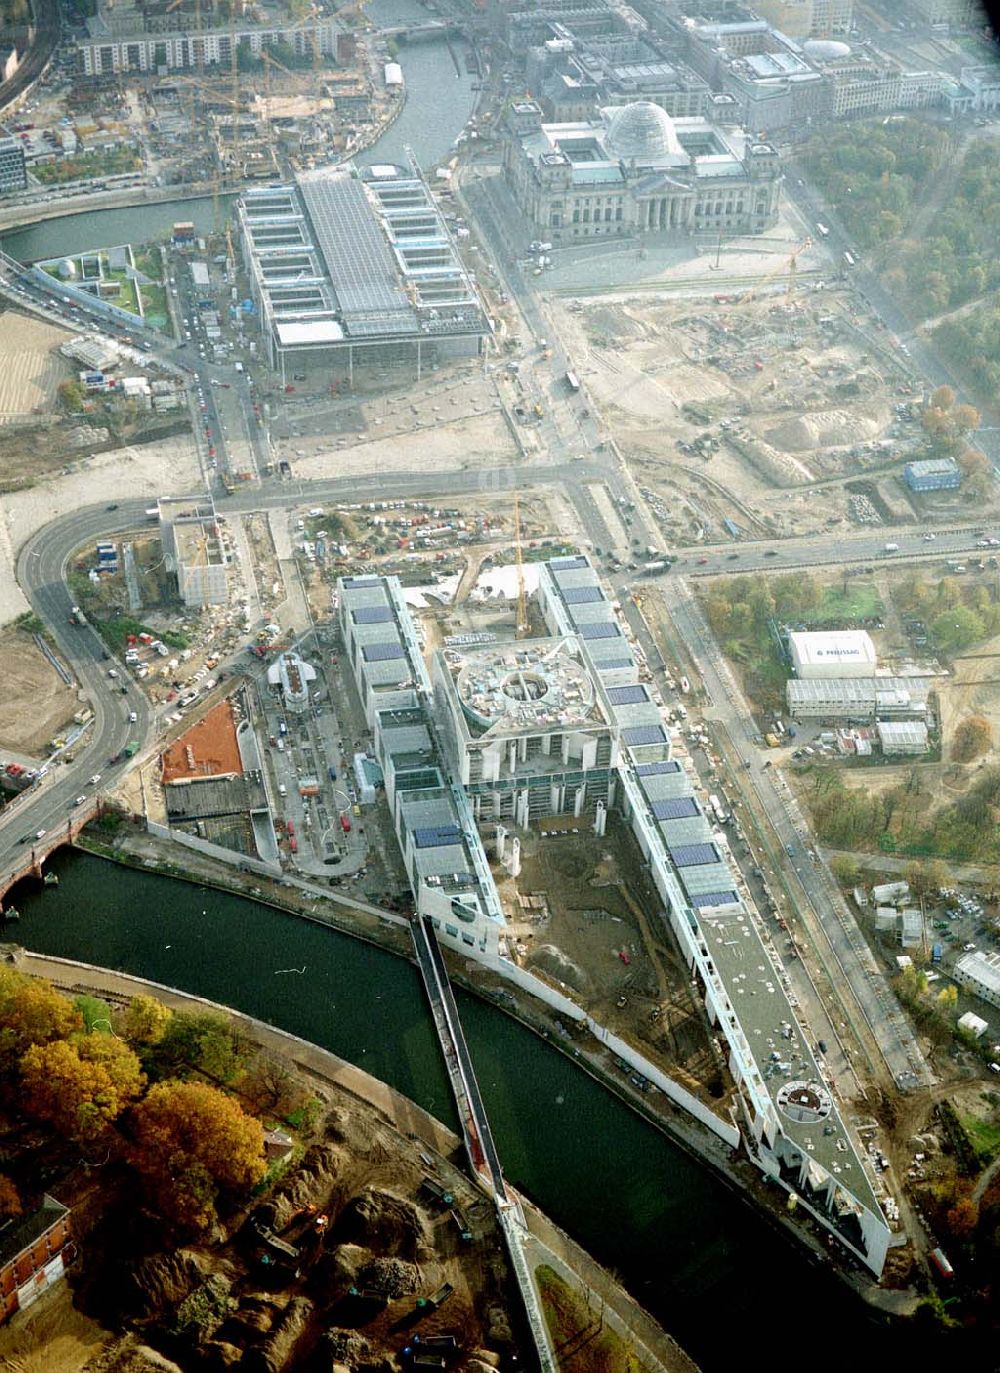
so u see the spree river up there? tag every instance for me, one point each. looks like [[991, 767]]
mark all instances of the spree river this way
[[439, 100], [706, 1265]]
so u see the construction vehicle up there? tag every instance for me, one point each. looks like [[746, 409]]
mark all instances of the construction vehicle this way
[[436, 1191], [436, 1299]]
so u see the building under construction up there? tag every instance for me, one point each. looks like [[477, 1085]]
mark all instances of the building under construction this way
[[192, 549], [352, 266]]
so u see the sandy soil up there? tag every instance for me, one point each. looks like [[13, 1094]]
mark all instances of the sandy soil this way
[[480, 441], [586, 910], [30, 367], [155, 469], [51, 1337], [35, 703]]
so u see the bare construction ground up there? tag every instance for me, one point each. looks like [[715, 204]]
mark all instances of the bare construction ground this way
[[766, 411], [30, 369], [35, 703], [577, 912]]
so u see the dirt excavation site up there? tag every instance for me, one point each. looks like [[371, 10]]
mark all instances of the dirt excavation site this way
[[782, 413]]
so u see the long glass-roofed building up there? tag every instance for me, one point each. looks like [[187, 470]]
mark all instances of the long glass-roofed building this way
[[350, 266]]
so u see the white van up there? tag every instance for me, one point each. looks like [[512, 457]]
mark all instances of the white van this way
[[282, 789]]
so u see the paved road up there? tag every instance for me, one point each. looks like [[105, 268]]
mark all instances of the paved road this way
[[810, 880]]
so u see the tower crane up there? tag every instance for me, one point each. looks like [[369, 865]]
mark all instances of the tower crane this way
[[521, 627], [791, 265]]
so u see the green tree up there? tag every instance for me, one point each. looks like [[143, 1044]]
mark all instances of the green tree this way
[[202, 1042], [845, 869], [72, 395], [194, 1145], [957, 629]]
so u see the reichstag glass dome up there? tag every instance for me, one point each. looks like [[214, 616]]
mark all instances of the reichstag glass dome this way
[[644, 131]]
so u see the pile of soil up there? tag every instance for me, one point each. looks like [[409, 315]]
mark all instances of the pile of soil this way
[[823, 429], [382, 1221], [394, 1277]]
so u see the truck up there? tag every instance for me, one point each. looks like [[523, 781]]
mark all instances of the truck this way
[[76, 616], [937, 953], [822, 230], [130, 750], [891, 548], [436, 1299], [282, 727], [345, 822], [435, 1190], [293, 844], [654, 569]]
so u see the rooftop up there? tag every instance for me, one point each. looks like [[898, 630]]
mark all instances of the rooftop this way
[[208, 749], [532, 684]]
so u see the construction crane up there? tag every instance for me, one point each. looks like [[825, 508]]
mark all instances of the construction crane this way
[[791, 265], [522, 625]]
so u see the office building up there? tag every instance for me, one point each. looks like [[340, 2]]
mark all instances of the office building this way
[[633, 170], [572, 77], [13, 168], [354, 266], [933, 474], [193, 550]]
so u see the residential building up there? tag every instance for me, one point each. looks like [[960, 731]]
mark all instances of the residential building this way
[[13, 168], [832, 653], [34, 1251], [120, 41], [193, 550], [933, 474], [979, 973], [634, 170]]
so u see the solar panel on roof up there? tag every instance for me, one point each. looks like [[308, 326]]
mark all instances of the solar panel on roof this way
[[612, 664], [675, 808], [360, 262], [715, 898], [371, 614], [694, 855], [352, 582], [437, 836], [651, 769], [568, 564], [582, 595], [627, 695], [644, 734], [380, 653], [605, 629]]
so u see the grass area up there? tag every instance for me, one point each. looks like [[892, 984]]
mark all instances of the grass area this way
[[115, 632], [984, 1136], [149, 262], [154, 304], [86, 165], [127, 298], [577, 1331], [856, 601]]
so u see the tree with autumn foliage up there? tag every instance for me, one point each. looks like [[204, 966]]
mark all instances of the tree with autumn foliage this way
[[192, 1145], [10, 1199], [972, 738], [82, 1085], [31, 1012], [145, 1020]]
